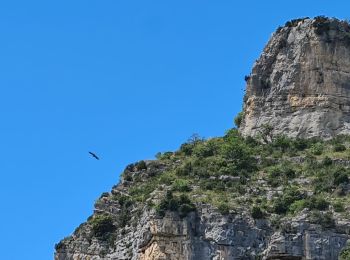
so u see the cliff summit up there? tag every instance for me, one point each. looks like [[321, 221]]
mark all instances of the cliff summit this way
[[300, 85]]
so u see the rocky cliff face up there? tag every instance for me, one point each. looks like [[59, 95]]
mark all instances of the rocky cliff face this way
[[245, 198], [205, 234], [300, 85]]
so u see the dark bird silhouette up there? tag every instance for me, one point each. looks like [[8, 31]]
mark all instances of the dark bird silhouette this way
[[94, 155]]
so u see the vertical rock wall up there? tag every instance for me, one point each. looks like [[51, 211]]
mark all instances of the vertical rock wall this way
[[300, 86]]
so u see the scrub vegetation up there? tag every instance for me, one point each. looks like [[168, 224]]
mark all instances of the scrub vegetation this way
[[269, 177]]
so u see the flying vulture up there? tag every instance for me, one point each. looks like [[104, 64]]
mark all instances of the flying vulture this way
[[94, 155]]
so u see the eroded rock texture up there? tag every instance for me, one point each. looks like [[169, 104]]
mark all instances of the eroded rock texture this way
[[205, 234], [210, 236], [300, 85]]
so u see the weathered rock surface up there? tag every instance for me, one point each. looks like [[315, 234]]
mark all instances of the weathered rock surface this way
[[300, 86], [205, 234], [208, 236]]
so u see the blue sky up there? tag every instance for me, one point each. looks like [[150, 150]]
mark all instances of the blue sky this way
[[125, 79]]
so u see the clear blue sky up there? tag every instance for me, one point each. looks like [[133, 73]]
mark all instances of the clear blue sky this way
[[124, 79]]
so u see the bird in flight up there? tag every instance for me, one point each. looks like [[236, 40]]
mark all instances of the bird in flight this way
[[94, 155]]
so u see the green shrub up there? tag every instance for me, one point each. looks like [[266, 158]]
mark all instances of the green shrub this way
[[185, 209], [164, 156], [204, 168], [187, 148], [185, 169], [167, 203], [105, 195], [257, 213], [142, 191], [297, 206], [238, 119], [235, 151], [324, 219], [129, 168], [328, 178], [141, 165], [340, 190], [185, 205], [123, 200], [266, 133], [223, 208], [128, 177], [340, 177], [167, 178], [206, 185], [181, 185], [317, 202], [341, 139], [102, 225], [294, 22], [217, 185], [321, 25], [327, 161], [252, 142], [282, 143], [300, 144], [287, 171], [158, 155], [317, 148], [290, 195], [345, 252], [60, 246], [279, 207], [274, 176], [123, 218], [181, 204], [279, 174], [338, 207], [339, 148], [207, 148], [323, 184]]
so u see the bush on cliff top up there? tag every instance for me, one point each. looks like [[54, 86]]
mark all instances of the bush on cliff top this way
[[102, 225], [228, 167], [181, 204]]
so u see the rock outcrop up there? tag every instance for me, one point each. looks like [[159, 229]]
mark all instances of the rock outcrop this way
[[300, 86], [206, 234], [236, 198]]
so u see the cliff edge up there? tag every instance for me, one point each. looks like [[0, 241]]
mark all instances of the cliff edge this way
[[300, 85]]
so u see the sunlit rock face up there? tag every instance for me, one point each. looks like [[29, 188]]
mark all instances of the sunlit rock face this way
[[300, 85], [204, 234]]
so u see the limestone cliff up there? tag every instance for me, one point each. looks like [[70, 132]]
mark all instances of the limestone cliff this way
[[300, 85], [207, 233], [244, 195]]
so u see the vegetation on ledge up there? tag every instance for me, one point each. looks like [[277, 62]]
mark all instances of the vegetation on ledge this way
[[267, 177]]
